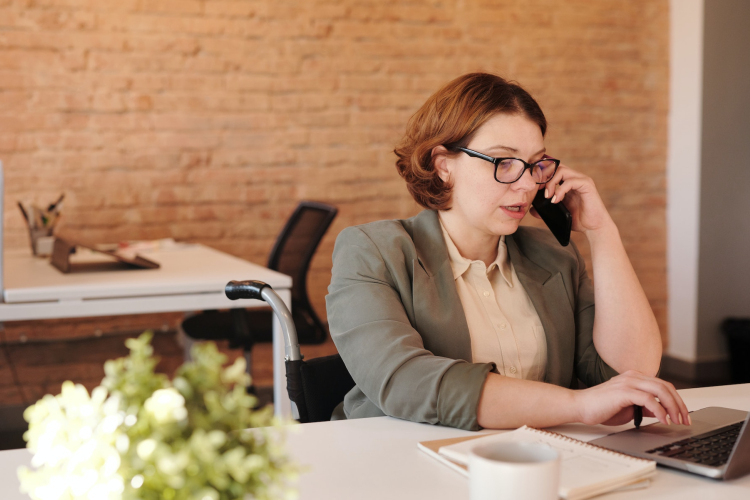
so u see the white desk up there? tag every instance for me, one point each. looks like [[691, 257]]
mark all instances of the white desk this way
[[191, 277], [377, 458]]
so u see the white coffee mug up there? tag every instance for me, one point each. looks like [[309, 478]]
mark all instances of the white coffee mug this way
[[513, 471]]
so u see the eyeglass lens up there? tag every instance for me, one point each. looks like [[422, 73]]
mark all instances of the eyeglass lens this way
[[510, 170]]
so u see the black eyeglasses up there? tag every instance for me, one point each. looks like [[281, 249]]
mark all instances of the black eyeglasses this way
[[509, 170]]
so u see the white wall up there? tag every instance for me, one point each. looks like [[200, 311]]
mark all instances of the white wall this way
[[724, 263], [683, 175], [708, 174]]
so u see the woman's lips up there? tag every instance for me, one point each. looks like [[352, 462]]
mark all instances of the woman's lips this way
[[515, 211]]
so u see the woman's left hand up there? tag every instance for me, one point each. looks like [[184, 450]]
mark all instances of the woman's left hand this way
[[581, 199]]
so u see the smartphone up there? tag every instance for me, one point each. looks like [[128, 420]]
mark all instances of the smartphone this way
[[555, 215]]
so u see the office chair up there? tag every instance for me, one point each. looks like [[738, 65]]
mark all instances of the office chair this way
[[317, 386], [291, 255]]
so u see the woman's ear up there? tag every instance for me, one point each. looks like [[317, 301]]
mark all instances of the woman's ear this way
[[441, 164]]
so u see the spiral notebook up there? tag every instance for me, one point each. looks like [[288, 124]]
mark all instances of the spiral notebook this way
[[586, 470]]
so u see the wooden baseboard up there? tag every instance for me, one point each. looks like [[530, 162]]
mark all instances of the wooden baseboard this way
[[698, 373]]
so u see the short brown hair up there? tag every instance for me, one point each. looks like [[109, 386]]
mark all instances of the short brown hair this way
[[449, 118]]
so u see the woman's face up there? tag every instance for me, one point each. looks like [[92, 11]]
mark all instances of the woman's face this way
[[477, 198]]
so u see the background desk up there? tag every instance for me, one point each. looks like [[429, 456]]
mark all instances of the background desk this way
[[377, 458], [191, 277]]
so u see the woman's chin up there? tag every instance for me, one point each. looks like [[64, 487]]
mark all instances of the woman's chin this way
[[506, 227]]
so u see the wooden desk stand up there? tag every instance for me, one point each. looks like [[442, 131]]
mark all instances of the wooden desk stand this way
[[64, 248]]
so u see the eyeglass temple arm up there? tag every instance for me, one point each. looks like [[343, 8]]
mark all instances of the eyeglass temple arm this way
[[477, 154]]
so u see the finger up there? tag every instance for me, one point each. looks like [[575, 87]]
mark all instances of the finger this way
[[667, 398], [671, 400], [648, 413], [562, 190], [651, 404], [559, 195], [574, 181], [676, 401], [551, 186], [657, 388], [623, 416], [684, 413], [563, 175]]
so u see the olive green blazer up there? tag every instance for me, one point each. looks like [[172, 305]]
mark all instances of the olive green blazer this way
[[397, 321]]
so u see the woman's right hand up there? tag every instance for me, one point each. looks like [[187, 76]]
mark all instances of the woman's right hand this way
[[611, 403]]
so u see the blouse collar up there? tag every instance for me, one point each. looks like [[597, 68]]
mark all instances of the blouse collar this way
[[461, 264]]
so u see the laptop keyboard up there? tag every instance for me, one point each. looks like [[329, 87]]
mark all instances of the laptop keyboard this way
[[709, 449]]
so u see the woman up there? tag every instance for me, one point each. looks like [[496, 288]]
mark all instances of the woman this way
[[460, 317]]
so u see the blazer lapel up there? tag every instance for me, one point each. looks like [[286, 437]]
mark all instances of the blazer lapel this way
[[438, 313], [552, 303]]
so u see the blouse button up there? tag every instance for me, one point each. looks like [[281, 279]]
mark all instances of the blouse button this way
[[486, 293], [512, 369]]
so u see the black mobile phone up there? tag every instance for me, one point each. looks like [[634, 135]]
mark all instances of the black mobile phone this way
[[555, 215]]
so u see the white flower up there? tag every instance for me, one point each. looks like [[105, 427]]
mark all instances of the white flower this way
[[235, 373], [72, 437], [138, 441], [146, 448], [166, 405]]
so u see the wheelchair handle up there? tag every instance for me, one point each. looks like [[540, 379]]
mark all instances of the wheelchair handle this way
[[245, 289], [262, 291]]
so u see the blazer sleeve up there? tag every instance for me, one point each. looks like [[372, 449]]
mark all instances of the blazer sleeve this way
[[590, 367], [383, 352]]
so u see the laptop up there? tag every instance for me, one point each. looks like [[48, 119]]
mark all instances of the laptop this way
[[717, 445]]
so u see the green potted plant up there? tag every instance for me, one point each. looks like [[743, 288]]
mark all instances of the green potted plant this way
[[140, 435]]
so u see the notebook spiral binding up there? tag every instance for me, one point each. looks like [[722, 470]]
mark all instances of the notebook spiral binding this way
[[567, 439]]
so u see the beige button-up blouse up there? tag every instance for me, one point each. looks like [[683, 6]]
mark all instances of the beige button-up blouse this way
[[503, 325]]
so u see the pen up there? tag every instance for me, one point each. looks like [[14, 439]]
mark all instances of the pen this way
[[637, 416], [55, 204], [25, 215]]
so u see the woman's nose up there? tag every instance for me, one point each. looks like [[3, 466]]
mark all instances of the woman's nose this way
[[526, 182]]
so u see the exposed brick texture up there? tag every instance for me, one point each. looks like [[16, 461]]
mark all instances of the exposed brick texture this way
[[208, 120], [37, 369]]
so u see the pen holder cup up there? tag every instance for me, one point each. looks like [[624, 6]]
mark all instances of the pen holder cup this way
[[42, 241]]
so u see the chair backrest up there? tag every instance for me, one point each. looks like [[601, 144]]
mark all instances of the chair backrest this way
[[298, 240], [291, 255]]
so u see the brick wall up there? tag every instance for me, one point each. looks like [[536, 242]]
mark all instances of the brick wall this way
[[207, 120]]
